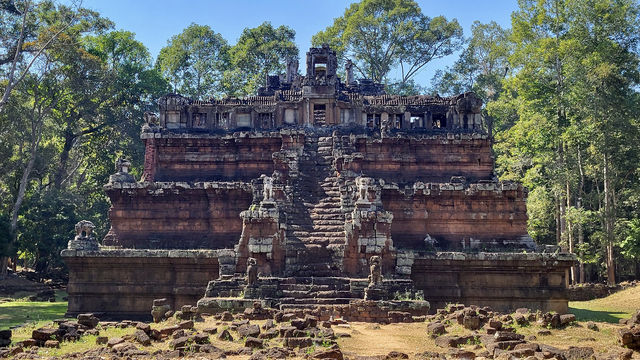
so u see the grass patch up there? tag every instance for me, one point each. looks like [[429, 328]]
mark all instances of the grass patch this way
[[21, 311], [610, 309]]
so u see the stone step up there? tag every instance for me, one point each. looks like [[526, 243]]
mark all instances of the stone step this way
[[293, 307], [316, 234], [326, 294], [327, 211], [328, 228], [339, 286], [334, 217], [328, 222], [324, 301]]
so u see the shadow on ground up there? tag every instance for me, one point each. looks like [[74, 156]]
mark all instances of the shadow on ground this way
[[598, 315], [18, 312]]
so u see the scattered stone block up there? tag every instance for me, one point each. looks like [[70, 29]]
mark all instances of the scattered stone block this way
[[630, 337], [179, 342], [253, 342], [249, 330], [200, 338], [187, 324], [142, 338], [226, 316], [396, 355], [114, 341], [166, 331], [567, 319], [43, 334], [436, 329], [52, 344], [297, 342], [333, 354], [89, 320], [225, 335]]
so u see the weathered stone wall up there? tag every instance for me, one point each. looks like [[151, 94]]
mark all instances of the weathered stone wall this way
[[189, 157], [406, 159], [457, 216], [123, 283], [176, 215], [503, 281]]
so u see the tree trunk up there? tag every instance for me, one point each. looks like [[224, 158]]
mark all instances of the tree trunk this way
[[570, 234], [579, 207], [608, 220], [558, 230], [69, 138], [24, 181]]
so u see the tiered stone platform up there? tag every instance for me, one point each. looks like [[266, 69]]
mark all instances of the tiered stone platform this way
[[310, 188]]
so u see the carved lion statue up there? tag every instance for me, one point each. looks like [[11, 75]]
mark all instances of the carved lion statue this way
[[84, 229], [375, 269], [252, 272]]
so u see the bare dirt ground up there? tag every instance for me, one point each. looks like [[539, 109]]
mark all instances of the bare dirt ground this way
[[371, 341]]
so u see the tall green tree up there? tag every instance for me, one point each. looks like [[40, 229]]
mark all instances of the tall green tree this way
[[380, 35], [260, 51], [572, 99], [606, 80], [65, 121], [482, 65], [194, 61]]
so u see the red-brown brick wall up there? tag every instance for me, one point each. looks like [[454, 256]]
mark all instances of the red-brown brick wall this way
[[451, 216], [409, 159], [214, 159], [178, 218]]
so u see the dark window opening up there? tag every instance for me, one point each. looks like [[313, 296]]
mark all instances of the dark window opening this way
[[199, 120], [416, 121], [397, 124], [373, 120], [265, 120]]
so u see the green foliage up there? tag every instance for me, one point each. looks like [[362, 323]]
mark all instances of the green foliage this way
[[482, 65], [541, 223], [194, 61], [64, 125], [379, 35], [260, 51], [631, 243]]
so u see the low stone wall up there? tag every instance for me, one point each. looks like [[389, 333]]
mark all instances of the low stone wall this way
[[123, 283], [590, 291], [383, 311], [379, 311], [503, 281]]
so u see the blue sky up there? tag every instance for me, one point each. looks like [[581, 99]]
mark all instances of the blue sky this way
[[155, 21]]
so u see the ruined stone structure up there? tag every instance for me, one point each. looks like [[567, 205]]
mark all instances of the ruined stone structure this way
[[313, 180]]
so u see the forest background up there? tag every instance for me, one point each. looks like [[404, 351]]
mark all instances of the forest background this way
[[560, 88]]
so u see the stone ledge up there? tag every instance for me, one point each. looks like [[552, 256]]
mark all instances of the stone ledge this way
[[144, 253], [161, 133], [495, 256], [181, 185], [434, 188]]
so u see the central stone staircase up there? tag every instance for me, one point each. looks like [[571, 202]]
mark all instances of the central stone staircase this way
[[315, 220]]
